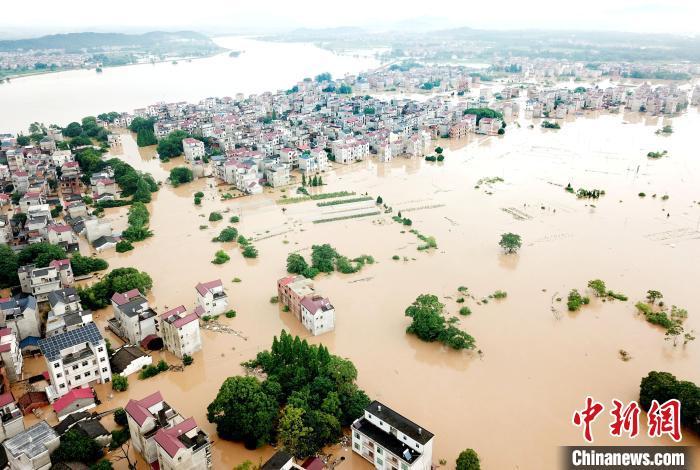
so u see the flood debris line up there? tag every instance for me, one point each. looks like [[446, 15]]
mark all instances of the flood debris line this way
[[551, 238], [555, 311], [345, 217], [217, 327], [674, 235], [364, 279], [420, 208], [516, 213], [265, 237], [344, 201], [314, 197]]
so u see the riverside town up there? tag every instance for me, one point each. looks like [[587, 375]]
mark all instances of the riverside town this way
[[389, 235]]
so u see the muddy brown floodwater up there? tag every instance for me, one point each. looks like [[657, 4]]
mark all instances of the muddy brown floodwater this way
[[513, 402]]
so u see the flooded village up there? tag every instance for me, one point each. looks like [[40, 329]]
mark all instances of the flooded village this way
[[412, 174]]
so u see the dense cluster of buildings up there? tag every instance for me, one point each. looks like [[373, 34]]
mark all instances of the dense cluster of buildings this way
[[261, 139], [48, 196], [557, 103]]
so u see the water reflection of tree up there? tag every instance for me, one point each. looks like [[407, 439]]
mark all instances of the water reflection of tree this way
[[508, 261], [434, 354]]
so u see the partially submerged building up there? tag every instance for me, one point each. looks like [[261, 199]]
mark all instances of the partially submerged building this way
[[391, 441], [164, 438], [180, 331]]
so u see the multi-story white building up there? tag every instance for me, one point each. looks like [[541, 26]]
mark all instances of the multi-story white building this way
[[74, 359], [180, 331], [211, 297], [32, 448], [162, 436], [193, 149], [11, 418], [11, 354], [277, 175], [39, 281], [183, 447], [317, 314], [290, 157], [390, 441], [133, 318]]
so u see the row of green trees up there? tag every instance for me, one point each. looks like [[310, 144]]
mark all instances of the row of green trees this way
[[144, 131], [484, 113], [325, 259], [308, 395], [139, 219]]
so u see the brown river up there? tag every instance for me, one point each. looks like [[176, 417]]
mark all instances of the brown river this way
[[513, 401]]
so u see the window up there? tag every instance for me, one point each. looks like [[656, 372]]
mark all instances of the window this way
[[100, 349], [357, 446], [87, 373], [75, 366], [59, 375], [104, 369], [380, 462], [357, 435], [62, 386], [379, 450], [85, 363], [102, 359], [77, 377], [56, 364]]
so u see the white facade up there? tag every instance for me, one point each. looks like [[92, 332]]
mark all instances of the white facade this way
[[75, 359], [11, 354], [317, 314], [211, 297], [193, 149], [180, 331], [390, 441]]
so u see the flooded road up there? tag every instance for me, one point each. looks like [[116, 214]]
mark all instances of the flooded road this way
[[513, 402]]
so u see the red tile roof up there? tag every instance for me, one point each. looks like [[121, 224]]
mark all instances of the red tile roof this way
[[174, 311], [204, 287], [59, 228], [138, 409], [124, 297], [59, 263], [180, 322], [6, 398], [168, 438], [315, 303], [313, 463], [72, 396]]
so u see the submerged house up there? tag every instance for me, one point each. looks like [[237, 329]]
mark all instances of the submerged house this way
[[180, 331], [133, 319], [211, 297], [164, 438]]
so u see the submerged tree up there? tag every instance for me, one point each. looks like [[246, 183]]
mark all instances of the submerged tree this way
[[510, 242]]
